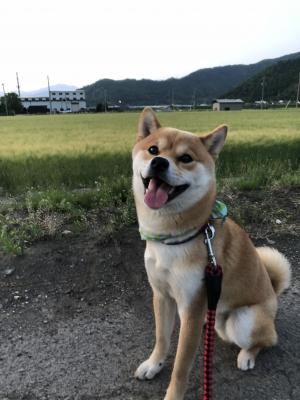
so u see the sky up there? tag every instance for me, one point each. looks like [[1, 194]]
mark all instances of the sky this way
[[79, 42]]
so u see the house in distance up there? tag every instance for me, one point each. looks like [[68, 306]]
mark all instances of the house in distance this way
[[227, 105]]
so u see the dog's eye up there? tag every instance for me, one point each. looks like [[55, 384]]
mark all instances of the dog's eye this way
[[185, 158], [153, 150]]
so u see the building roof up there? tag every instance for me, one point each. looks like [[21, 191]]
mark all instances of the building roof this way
[[228, 101]]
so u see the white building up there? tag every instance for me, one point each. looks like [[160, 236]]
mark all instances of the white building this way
[[57, 101]]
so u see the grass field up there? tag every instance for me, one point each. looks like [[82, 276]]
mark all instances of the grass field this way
[[75, 151], [54, 168]]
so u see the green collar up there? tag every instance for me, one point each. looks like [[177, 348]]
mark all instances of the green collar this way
[[219, 211]]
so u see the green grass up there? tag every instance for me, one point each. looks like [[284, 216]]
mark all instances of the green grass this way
[[74, 151], [56, 170]]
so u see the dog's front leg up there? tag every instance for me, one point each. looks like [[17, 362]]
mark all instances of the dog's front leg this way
[[191, 323], [164, 311]]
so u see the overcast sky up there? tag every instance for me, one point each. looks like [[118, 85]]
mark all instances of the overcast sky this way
[[79, 42]]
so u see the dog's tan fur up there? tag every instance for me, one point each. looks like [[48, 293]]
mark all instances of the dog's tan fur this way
[[248, 303]]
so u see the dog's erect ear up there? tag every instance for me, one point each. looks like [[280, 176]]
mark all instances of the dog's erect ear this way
[[215, 140], [148, 123]]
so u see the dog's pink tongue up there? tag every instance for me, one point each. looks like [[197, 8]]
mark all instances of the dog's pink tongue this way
[[156, 196]]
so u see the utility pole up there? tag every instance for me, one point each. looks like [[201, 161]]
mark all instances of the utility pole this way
[[5, 100], [105, 99], [194, 99], [172, 99], [262, 92], [18, 85], [298, 91], [50, 100]]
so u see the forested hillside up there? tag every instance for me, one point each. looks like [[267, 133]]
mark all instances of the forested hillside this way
[[280, 82], [201, 86]]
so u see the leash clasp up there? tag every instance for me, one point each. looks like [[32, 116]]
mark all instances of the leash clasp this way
[[209, 233]]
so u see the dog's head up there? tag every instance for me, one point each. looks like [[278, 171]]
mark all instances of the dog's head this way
[[173, 169]]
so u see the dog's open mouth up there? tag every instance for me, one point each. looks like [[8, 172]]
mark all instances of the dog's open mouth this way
[[159, 192]]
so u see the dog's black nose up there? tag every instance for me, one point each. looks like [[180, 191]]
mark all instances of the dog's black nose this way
[[159, 164]]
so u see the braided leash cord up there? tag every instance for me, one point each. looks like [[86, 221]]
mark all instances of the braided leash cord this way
[[213, 280], [208, 354]]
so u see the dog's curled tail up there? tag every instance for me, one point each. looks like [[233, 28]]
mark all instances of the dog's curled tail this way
[[277, 266]]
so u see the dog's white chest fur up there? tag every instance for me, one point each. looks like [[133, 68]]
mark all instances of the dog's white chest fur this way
[[171, 273]]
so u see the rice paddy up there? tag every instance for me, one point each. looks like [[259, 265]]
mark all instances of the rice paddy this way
[[67, 152]]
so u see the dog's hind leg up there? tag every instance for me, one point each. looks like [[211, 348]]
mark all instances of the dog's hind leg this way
[[164, 311], [251, 328]]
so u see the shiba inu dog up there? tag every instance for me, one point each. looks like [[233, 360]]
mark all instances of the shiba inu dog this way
[[175, 190]]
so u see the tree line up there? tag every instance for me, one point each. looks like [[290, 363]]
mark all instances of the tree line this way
[[11, 104]]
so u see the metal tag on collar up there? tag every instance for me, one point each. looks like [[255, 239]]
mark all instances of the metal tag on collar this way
[[209, 236]]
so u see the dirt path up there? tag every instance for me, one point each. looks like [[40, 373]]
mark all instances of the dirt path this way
[[76, 321]]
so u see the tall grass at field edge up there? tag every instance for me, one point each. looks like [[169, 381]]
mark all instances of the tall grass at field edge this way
[[58, 171], [244, 165]]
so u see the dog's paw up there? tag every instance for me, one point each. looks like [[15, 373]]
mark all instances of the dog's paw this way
[[148, 369], [245, 360]]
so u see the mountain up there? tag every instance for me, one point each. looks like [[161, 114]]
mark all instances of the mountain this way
[[44, 91], [200, 86], [280, 82]]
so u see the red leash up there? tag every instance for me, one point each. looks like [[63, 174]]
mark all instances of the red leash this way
[[213, 281]]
